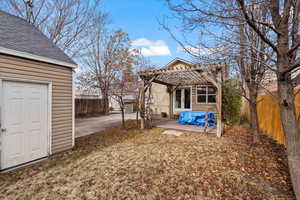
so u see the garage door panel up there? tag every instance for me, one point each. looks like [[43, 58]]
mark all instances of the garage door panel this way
[[25, 119]]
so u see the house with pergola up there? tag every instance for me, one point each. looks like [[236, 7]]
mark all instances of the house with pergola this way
[[183, 86]]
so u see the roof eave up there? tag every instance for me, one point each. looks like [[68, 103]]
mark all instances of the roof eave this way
[[35, 57]]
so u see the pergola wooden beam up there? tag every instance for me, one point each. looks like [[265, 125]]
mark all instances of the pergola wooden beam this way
[[149, 82], [186, 75], [182, 69]]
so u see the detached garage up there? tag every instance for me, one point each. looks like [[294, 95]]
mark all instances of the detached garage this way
[[36, 95]]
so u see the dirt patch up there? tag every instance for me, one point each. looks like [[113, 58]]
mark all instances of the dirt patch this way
[[135, 164]]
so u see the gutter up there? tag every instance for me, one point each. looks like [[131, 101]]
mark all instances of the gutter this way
[[35, 57]]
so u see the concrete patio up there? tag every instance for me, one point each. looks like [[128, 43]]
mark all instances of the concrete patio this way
[[173, 124]]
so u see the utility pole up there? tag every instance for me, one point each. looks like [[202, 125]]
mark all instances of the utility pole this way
[[29, 12]]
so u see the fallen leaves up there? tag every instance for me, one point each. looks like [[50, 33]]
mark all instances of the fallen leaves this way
[[137, 164]]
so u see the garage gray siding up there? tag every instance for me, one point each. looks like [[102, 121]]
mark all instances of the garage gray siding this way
[[61, 78]]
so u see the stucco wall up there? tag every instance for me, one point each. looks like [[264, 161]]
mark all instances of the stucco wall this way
[[160, 99]]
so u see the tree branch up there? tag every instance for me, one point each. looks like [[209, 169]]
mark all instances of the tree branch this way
[[254, 27], [294, 48], [291, 68]]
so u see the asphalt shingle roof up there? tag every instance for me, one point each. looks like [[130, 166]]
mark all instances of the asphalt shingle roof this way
[[17, 34]]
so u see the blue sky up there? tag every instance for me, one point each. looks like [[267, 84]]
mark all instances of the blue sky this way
[[139, 19]]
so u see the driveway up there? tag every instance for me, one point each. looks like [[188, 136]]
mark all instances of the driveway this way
[[91, 125]]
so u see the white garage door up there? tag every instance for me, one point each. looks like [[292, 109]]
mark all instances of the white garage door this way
[[24, 123]]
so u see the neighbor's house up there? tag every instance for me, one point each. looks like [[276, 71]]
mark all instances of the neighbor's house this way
[[191, 92], [36, 94]]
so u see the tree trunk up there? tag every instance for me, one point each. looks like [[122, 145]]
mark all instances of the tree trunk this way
[[288, 110], [106, 105], [291, 131], [253, 115], [123, 117]]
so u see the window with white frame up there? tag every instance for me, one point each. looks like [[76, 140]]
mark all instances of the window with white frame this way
[[206, 94]]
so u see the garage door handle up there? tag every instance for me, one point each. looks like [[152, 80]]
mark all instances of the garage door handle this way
[[3, 129]]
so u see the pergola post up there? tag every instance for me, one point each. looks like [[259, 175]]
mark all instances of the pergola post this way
[[219, 110], [170, 89], [216, 81], [142, 105]]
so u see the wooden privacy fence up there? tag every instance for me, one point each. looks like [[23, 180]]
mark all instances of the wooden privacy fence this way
[[269, 116], [88, 107]]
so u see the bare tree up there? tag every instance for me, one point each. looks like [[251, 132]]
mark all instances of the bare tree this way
[[123, 86], [253, 59], [105, 60], [279, 30], [284, 41], [141, 63], [66, 22]]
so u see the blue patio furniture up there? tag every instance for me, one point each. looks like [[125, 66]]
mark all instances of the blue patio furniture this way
[[197, 118]]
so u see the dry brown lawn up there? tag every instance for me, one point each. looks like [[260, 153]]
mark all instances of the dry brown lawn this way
[[134, 164]]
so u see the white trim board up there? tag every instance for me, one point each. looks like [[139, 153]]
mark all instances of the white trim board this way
[[73, 108], [35, 57]]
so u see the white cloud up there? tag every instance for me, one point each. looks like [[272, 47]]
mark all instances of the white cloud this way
[[152, 48]]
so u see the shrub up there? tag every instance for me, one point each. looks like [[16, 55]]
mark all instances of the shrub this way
[[231, 102]]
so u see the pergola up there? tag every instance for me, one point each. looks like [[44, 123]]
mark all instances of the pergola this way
[[183, 76]]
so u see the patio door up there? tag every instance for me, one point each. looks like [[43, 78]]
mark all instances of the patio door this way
[[182, 99]]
